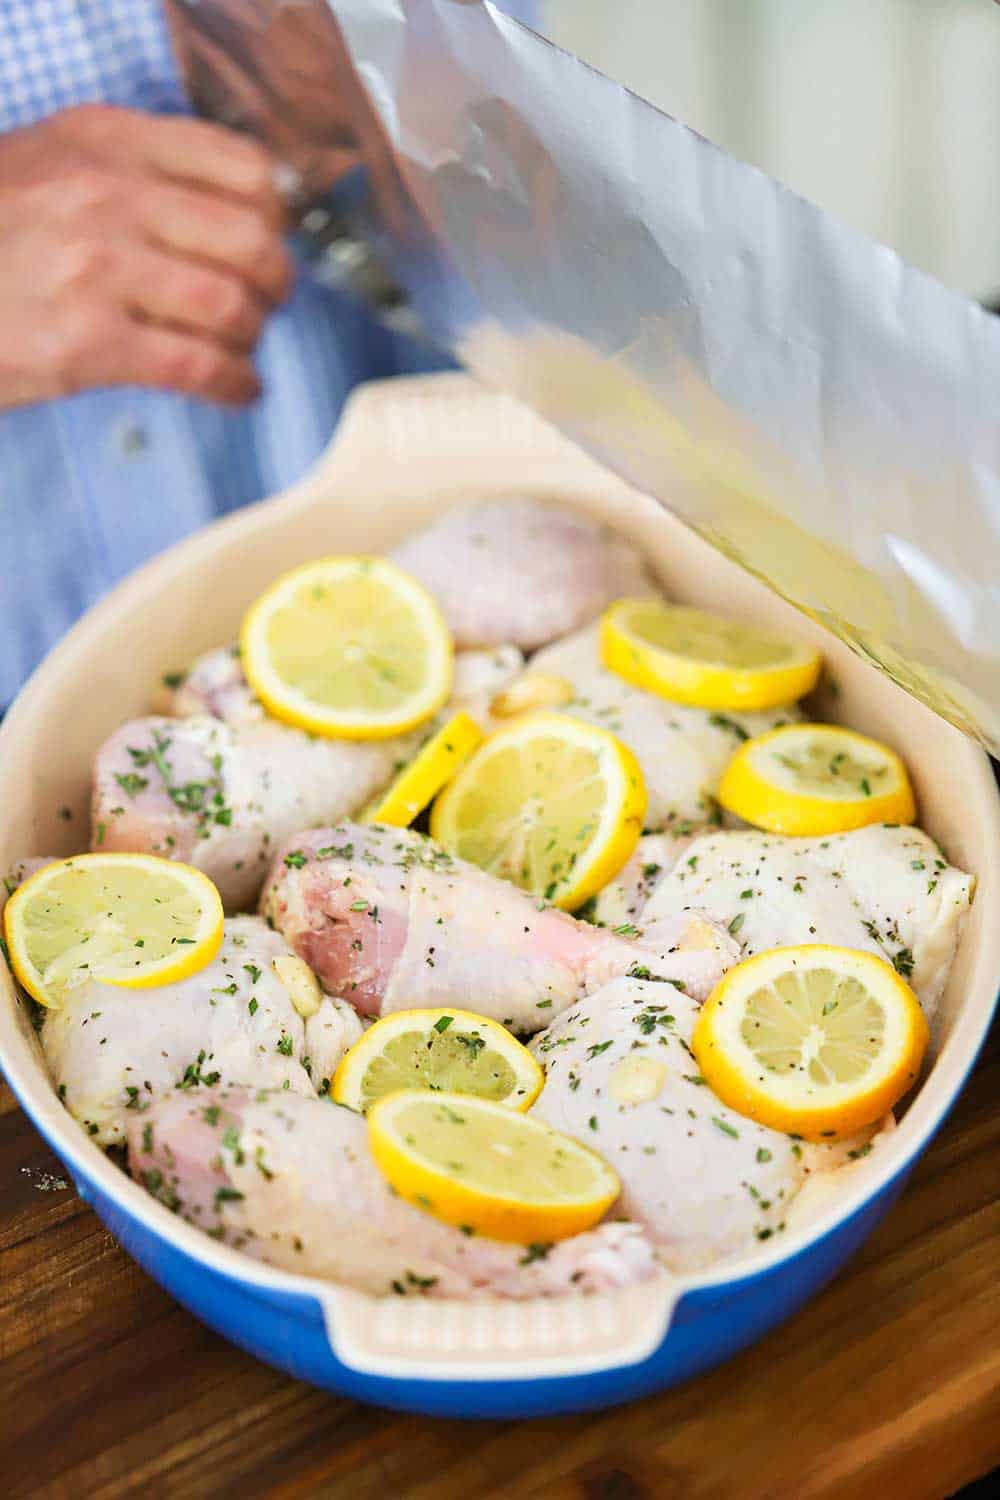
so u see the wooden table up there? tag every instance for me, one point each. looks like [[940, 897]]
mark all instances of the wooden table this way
[[888, 1385]]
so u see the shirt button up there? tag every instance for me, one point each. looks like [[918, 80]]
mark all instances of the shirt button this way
[[131, 439]]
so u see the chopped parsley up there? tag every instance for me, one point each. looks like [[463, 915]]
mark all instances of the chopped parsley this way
[[131, 782]]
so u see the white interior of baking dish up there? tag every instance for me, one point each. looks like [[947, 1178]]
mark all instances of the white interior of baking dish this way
[[406, 450]]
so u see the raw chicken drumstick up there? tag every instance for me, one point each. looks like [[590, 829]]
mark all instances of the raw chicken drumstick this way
[[292, 1182], [703, 1181], [110, 1050], [388, 920], [223, 796], [885, 889]]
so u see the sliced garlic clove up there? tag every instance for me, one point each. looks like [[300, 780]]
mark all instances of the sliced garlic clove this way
[[533, 690], [300, 982], [637, 1080]]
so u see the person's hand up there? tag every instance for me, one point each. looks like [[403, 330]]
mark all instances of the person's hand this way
[[135, 250]]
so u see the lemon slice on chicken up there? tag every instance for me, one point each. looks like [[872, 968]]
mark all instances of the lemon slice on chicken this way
[[348, 647], [488, 1169], [815, 1040], [443, 1050], [816, 778], [549, 803], [704, 660], [126, 919], [433, 766]]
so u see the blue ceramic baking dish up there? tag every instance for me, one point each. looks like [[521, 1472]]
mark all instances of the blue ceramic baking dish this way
[[404, 452]]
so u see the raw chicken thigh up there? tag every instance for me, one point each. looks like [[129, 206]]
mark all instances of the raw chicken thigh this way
[[291, 1181], [390, 921], [519, 570], [683, 751], [110, 1049], [884, 889], [222, 796], [702, 1180]]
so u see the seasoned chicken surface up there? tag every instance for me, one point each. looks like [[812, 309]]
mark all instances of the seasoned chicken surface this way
[[683, 751], [390, 921], [223, 796], [109, 1050], [519, 570], [885, 889], [702, 1180], [291, 1181]]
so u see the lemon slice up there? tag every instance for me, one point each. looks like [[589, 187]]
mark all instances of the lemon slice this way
[[450, 1051], [548, 802], [431, 768], [488, 1169], [816, 1041], [815, 779], [704, 660], [349, 647], [126, 919]]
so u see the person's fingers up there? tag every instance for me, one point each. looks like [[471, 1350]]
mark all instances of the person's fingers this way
[[194, 151], [190, 295], [97, 349], [205, 227]]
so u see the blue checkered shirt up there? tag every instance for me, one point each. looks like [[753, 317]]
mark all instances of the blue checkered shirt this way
[[92, 486]]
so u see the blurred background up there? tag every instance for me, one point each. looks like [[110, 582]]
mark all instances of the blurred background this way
[[885, 112]]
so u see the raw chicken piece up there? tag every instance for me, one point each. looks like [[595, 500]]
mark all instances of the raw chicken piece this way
[[702, 1180], [222, 796], [215, 685], [520, 570], [292, 1182], [884, 889], [624, 900], [389, 921], [683, 751], [110, 1050], [334, 1028]]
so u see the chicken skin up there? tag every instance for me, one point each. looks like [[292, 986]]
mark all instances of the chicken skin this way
[[223, 795], [291, 1181], [110, 1050], [703, 1181], [389, 921], [682, 751], [884, 889], [519, 570]]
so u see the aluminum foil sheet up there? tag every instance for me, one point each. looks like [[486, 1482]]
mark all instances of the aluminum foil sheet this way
[[821, 412]]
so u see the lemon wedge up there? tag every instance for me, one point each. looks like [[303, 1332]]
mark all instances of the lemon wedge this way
[[432, 768], [815, 1040], [445, 1050], [127, 919], [814, 779], [487, 1169], [348, 647], [704, 660], [548, 802]]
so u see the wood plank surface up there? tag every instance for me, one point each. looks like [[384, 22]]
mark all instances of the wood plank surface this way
[[887, 1386]]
